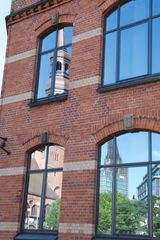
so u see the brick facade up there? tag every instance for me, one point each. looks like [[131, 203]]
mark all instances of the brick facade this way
[[78, 124]]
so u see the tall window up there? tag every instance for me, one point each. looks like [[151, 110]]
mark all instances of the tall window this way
[[55, 53], [132, 42], [129, 187], [44, 177]]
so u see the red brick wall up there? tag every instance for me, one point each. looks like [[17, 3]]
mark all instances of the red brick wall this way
[[79, 123]]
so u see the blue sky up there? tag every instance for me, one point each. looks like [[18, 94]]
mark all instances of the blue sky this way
[[4, 10]]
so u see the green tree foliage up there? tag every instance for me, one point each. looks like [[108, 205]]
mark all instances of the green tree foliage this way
[[52, 219], [156, 216], [131, 215]]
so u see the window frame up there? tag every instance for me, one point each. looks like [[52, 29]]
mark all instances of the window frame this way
[[53, 97], [133, 81], [44, 172], [148, 164]]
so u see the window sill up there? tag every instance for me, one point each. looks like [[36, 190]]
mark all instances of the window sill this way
[[125, 238], [56, 98], [129, 83], [33, 236]]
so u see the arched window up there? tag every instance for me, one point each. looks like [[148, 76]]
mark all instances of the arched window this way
[[129, 187], [132, 43], [55, 46], [59, 66], [40, 184]]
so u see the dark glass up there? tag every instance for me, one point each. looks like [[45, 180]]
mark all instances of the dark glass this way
[[33, 197], [64, 36], [134, 11], [49, 42], [156, 199], [155, 45], [155, 7], [45, 75], [53, 199], [111, 21], [38, 159], [105, 202], [132, 147], [131, 208], [61, 78], [134, 52], [56, 157], [110, 58], [107, 153]]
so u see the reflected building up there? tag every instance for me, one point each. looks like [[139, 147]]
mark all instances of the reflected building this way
[[106, 173], [142, 189], [63, 59], [53, 187]]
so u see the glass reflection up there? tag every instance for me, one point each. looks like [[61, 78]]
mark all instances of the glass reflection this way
[[105, 202], [107, 154], [155, 7], [155, 147], [64, 36], [49, 42], [38, 159], [132, 147], [55, 157], [134, 52], [156, 199], [134, 11], [45, 75], [111, 21], [52, 200], [62, 76], [131, 207], [155, 45], [110, 58], [32, 213]]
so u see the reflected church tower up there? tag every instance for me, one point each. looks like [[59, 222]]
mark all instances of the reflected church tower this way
[[107, 175], [62, 64]]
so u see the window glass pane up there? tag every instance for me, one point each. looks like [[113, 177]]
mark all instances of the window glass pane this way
[[131, 207], [62, 76], [156, 45], [110, 58], [155, 7], [52, 201], [155, 147], [64, 36], [107, 153], [105, 202], [55, 157], [134, 52], [111, 21], [134, 11], [33, 199], [38, 159], [132, 147], [156, 199], [49, 42], [45, 75]]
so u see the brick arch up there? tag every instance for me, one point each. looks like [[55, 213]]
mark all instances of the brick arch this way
[[144, 122], [106, 6], [34, 139], [46, 24]]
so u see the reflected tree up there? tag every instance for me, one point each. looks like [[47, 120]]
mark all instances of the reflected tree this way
[[52, 219]]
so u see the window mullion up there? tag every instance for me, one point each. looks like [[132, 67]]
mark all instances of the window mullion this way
[[150, 40], [53, 79], [150, 213], [118, 48], [44, 184], [114, 190]]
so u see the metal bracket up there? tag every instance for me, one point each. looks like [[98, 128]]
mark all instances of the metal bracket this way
[[2, 145]]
